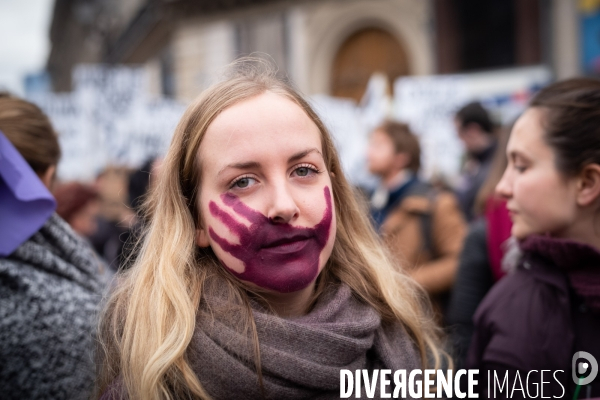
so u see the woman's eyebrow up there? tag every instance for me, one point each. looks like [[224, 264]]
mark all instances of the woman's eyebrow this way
[[303, 154], [514, 154], [244, 165], [254, 164]]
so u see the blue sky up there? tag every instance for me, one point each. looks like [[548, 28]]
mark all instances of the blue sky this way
[[24, 41]]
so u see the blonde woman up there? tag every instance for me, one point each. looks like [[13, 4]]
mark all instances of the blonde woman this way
[[259, 275]]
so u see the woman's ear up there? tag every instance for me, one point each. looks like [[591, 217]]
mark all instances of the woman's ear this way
[[588, 185], [202, 238], [47, 177]]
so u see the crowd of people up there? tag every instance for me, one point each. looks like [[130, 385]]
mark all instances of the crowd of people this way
[[246, 265]]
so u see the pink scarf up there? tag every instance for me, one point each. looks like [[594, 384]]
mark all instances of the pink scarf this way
[[499, 226]]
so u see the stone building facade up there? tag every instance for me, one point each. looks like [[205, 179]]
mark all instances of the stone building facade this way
[[325, 46]]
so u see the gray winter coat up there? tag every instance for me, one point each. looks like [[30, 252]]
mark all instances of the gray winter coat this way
[[50, 292]]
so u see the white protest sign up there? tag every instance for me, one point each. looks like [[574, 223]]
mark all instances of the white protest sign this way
[[108, 119], [428, 105]]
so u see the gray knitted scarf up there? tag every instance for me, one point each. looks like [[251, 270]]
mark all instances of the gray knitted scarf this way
[[301, 357], [50, 292]]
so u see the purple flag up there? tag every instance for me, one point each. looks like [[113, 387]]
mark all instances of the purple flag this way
[[25, 203]]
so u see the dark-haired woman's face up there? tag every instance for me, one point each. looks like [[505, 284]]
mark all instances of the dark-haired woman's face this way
[[266, 199], [540, 199]]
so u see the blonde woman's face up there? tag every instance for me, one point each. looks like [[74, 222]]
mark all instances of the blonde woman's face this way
[[265, 199]]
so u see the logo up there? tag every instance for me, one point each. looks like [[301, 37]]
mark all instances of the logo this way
[[581, 367]]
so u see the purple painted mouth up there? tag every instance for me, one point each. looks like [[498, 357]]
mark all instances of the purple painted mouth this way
[[276, 256], [286, 241]]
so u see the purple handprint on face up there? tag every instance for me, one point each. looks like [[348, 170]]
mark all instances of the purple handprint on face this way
[[276, 256]]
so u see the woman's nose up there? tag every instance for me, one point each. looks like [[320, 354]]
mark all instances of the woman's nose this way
[[283, 207], [504, 187]]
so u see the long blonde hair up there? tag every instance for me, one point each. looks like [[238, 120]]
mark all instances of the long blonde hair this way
[[150, 318]]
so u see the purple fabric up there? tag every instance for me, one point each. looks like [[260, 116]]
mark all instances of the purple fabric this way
[[579, 261], [25, 203], [532, 320], [499, 226]]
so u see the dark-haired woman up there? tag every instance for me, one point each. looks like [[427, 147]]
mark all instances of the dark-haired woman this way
[[534, 321]]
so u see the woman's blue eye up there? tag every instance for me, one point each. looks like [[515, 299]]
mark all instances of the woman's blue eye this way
[[302, 171], [305, 171], [243, 183]]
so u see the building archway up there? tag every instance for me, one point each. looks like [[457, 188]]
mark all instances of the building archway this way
[[364, 52]]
